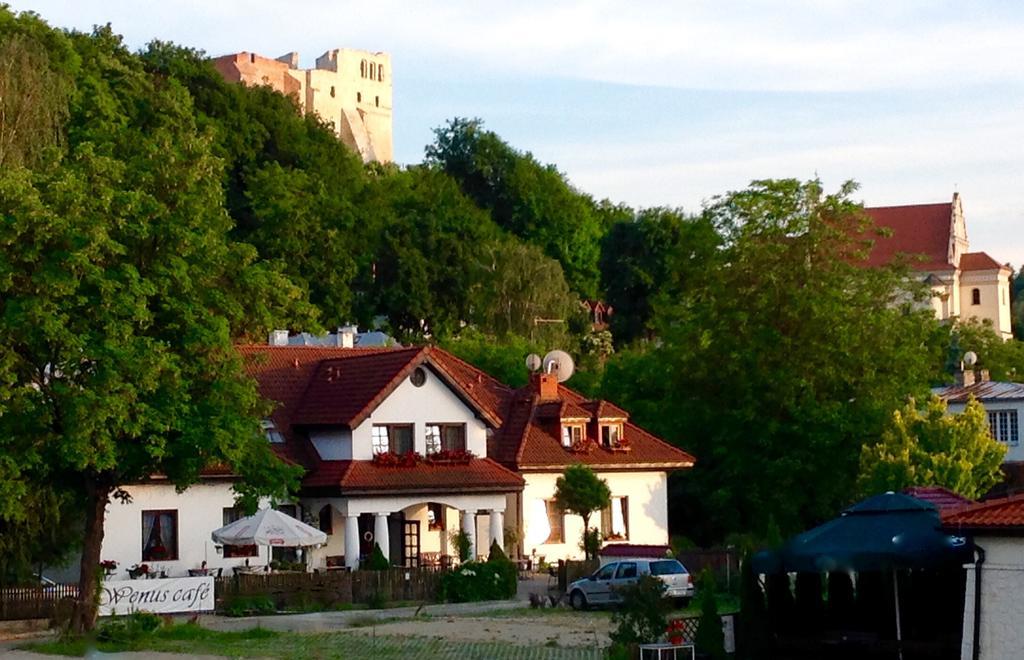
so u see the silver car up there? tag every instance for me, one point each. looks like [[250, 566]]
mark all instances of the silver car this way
[[602, 587]]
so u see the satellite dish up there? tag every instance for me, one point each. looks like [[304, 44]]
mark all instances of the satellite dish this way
[[559, 363], [533, 362], [970, 358]]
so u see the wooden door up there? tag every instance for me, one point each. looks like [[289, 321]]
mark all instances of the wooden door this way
[[411, 544]]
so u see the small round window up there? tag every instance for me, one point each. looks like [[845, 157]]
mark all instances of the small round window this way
[[418, 377]]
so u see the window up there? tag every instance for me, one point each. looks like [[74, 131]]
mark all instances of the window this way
[[332, 91], [159, 535], [376, 101], [975, 296], [627, 569], [615, 520], [252, 58], [607, 572], [394, 438], [373, 70], [418, 377], [326, 520], [667, 567], [435, 516], [380, 73], [611, 434], [230, 515], [270, 431], [1002, 424], [447, 437], [359, 97], [571, 434], [362, 69], [556, 523]]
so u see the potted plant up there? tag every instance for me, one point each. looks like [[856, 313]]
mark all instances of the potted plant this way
[[137, 571], [108, 566]]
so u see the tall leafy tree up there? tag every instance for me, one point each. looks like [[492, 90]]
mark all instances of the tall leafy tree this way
[[778, 360], [533, 201], [120, 292], [641, 256], [932, 448]]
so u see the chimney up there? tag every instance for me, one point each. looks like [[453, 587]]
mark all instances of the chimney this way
[[291, 59], [983, 376], [278, 338], [965, 377], [546, 386], [347, 336]]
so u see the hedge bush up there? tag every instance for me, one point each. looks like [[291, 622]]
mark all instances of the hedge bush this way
[[494, 579]]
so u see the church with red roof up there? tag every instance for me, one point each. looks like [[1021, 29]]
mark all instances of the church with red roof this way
[[932, 240]]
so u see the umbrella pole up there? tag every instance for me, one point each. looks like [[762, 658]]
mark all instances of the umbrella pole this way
[[899, 631]]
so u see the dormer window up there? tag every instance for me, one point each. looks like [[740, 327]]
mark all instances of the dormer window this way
[[273, 435], [572, 434], [611, 434]]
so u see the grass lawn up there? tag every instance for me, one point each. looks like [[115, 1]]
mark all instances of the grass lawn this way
[[190, 639]]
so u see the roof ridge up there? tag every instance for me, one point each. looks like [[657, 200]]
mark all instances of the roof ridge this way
[[908, 206]]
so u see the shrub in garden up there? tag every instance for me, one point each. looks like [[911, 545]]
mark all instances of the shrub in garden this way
[[378, 562], [474, 581], [461, 542], [128, 629], [710, 640], [641, 619], [246, 605], [752, 623]]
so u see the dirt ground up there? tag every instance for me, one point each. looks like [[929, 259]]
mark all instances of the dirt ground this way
[[566, 629]]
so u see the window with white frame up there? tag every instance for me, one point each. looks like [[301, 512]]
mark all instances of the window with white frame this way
[[611, 434], [571, 434], [1002, 424], [160, 535], [394, 438], [447, 437]]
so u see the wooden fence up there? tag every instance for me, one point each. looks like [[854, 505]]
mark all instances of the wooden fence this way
[[33, 602], [300, 590], [723, 562]]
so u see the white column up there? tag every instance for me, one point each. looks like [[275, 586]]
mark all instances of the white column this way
[[380, 534], [469, 527], [497, 528], [352, 542]]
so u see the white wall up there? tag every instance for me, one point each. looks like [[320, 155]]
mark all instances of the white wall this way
[[200, 512], [1013, 453], [433, 402], [1002, 600], [648, 512]]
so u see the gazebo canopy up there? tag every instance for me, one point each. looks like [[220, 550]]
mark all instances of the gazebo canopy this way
[[884, 532]]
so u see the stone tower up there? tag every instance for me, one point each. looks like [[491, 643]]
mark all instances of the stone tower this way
[[349, 88]]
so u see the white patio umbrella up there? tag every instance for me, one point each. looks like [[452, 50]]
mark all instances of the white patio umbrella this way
[[269, 527]]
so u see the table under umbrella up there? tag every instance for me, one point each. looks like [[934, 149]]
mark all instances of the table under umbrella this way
[[270, 527]]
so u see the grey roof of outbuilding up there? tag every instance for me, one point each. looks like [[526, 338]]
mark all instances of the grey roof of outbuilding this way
[[985, 391]]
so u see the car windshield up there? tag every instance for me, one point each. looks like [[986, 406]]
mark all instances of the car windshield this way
[[667, 567]]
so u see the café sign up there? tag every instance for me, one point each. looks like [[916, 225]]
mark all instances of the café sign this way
[[165, 596]]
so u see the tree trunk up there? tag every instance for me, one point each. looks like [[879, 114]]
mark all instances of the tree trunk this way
[[586, 531], [97, 498]]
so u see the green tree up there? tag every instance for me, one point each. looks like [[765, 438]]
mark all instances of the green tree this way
[[932, 448], [1004, 359], [533, 201], [641, 256], [777, 358], [120, 293], [710, 639], [581, 492]]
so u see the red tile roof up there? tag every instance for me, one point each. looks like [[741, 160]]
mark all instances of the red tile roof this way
[[479, 474], [979, 261], [1006, 514], [531, 441], [318, 385], [920, 231], [635, 550], [944, 499]]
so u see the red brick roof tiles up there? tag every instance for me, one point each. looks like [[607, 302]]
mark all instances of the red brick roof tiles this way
[[979, 261], [920, 231], [479, 474], [1006, 514], [944, 499]]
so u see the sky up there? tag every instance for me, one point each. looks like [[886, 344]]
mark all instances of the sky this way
[[671, 103]]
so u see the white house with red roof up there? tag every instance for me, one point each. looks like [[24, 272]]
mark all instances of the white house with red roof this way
[[933, 239], [403, 446]]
